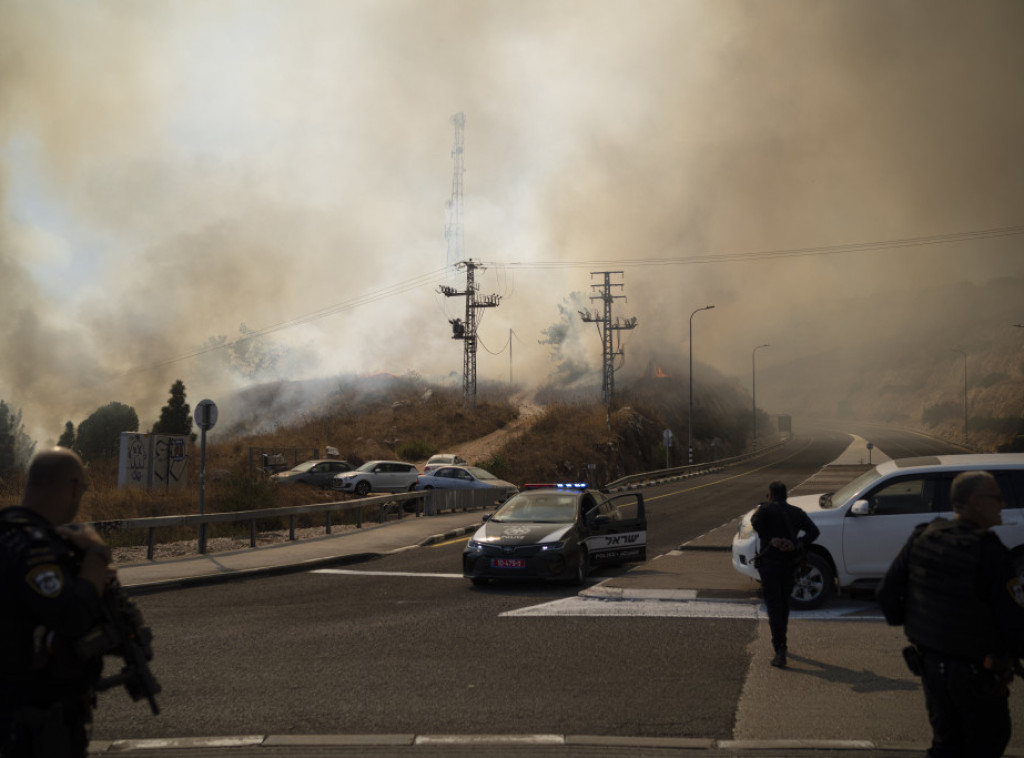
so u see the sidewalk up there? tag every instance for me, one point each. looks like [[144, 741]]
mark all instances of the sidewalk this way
[[350, 546]]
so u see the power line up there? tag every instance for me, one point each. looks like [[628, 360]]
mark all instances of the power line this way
[[432, 276], [853, 247]]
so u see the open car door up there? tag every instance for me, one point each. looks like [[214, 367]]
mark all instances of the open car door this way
[[617, 530]]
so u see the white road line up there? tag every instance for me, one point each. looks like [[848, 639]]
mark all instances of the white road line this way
[[580, 606], [384, 573]]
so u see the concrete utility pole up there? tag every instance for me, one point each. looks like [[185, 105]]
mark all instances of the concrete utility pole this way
[[466, 330], [607, 329]]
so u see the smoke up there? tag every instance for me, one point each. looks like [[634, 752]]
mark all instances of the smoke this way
[[170, 171]]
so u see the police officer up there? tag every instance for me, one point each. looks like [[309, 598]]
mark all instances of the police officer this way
[[954, 588], [52, 574], [784, 532]]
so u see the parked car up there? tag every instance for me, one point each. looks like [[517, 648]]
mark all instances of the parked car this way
[[378, 476], [865, 523], [316, 472], [465, 478], [557, 534], [443, 459]]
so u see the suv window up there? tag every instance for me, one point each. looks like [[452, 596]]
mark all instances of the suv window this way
[[908, 495]]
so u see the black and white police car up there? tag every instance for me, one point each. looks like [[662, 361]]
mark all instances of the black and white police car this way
[[557, 532]]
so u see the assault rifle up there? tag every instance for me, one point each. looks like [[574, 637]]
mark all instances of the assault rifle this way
[[123, 632]]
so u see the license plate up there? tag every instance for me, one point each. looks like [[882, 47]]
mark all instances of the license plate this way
[[508, 563]]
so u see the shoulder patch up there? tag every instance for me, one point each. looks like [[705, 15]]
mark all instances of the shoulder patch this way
[[47, 580], [1016, 590]]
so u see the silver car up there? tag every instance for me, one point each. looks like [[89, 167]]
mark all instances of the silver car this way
[[378, 476]]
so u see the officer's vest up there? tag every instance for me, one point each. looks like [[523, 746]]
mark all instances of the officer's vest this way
[[944, 610]]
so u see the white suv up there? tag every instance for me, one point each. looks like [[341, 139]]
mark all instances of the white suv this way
[[866, 522], [378, 476]]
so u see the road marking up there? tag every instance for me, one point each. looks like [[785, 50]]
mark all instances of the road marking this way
[[720, 609], [451, 542], [351, 572]]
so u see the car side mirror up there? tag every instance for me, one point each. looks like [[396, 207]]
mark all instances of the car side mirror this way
[[599, 520], [860, 508], [485, 517]]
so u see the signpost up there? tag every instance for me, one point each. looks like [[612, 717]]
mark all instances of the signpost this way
[[666, 438], [205, 416]]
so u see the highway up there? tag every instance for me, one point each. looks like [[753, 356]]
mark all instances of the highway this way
[[403, 644]]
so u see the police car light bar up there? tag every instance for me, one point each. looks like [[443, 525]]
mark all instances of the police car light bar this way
[[558, 486]]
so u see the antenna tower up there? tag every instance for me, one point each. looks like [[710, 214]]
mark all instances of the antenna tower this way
[[611, 341], [453, 230], [466, 330]]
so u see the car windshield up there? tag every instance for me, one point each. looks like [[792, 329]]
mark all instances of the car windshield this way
[[368, 466], [304, 466], [479, 473], [551, 508], [844, 493]]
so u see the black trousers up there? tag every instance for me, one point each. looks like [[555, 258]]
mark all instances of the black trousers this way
[[61, 730], [776, 587], [967, 708]]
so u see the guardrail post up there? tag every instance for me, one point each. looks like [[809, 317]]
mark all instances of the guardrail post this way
[[151, 546], [328, 522], [202, 538], [291, 528], [252, 533]]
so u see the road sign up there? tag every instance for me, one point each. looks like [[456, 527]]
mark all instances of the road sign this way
[[206, 415]]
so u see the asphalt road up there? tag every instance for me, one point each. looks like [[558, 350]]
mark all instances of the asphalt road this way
[[411, 647]]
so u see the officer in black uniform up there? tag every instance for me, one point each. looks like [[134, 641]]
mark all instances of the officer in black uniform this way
[[784, 532], [954, 588], [52, 574]]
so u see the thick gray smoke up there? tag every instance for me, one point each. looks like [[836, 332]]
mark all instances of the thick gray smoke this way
[[170, 171]]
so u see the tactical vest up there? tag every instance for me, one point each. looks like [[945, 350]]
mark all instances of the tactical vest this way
[[944, 610]]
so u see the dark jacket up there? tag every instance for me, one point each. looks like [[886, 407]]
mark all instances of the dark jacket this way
[[780, 519]]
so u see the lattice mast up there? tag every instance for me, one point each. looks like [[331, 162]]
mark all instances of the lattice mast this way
[[611, 340], [453, 232], [466, 330]]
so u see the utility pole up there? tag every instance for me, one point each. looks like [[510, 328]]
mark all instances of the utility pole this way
[[466, 330], [610, 345]]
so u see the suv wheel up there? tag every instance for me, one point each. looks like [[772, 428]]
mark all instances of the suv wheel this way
[[814, 580]]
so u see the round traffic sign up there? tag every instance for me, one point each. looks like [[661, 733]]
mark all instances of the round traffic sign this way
[[206, 414]]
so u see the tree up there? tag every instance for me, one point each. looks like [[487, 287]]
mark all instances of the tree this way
[[174, 417], [67, 439], [16, 447], [99, 436]]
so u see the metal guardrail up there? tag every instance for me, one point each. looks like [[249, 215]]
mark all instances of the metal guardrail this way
[[694, 469], [427, 503]]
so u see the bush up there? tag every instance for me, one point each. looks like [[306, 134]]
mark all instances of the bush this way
[[415, 451]]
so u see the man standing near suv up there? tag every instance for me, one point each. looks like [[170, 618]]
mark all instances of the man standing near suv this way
[[954, 588], [784, 532]]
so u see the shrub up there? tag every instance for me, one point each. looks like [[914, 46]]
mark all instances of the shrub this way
[[415, 451]]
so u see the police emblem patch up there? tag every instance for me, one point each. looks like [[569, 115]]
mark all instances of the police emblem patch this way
[[1016, 590], [47, 580]]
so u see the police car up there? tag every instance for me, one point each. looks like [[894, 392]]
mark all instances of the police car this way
[[557, 532]]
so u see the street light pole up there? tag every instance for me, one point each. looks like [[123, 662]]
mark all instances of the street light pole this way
[[753, 386], [965, 390], [689, 420]]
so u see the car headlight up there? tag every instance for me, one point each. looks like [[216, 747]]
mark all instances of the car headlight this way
[[549, 546], [473, 545], [746, 529]]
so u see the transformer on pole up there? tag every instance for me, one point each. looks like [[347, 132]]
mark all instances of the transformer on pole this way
[[466, 330], [611, 345]]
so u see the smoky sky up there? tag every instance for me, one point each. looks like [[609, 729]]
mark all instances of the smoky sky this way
[[172, 170]]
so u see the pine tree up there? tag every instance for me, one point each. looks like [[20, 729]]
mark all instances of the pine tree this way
[[175, 417], [67, 439]]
